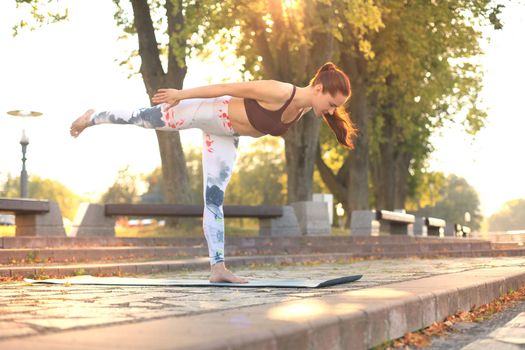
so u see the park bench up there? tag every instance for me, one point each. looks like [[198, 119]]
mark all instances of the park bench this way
[[428, 226], [376, 222], [465, 231], [34, 217], [99, 219], [457, 230]]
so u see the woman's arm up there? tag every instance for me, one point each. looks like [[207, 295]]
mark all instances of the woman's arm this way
[[260, 90]]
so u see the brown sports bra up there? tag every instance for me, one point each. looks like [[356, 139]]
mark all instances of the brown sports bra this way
[[268, 122]]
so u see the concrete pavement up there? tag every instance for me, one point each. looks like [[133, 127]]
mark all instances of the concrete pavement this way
[[394, 297]]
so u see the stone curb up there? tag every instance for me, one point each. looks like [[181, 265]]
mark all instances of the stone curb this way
[[357, 319], [151, 267]]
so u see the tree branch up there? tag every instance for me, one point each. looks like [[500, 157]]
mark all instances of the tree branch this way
[[329, 178], [151, 68], [176, 73]]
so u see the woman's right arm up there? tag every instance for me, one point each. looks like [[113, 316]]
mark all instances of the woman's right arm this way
[[261, 90]]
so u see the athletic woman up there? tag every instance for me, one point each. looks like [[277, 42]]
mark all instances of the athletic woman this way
[[226, 111]]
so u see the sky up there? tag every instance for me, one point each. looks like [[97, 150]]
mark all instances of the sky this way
[[65, 68]]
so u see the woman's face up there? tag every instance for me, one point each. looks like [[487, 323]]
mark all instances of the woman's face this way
[[324, 102]]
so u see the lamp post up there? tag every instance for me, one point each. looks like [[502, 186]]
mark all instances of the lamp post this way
[[340, 212], [24, 142], [467, 217]]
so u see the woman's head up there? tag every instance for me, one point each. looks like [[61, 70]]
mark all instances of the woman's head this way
[[331, 89]]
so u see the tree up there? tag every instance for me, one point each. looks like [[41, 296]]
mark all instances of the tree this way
[[456, 198], [155, 181], [288, 41], [409, 76], [258, 178], [183, 27], [124, 190], [425, 190], [511, 216], [47, 189]]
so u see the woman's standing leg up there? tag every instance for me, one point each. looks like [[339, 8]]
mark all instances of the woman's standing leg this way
[[218, 159], [219, 153]]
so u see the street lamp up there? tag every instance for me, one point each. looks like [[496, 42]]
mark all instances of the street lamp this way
[[340, 212], [24, 141], [468, 218]]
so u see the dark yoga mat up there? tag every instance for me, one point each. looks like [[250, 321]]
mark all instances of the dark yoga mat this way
[[255, 283]]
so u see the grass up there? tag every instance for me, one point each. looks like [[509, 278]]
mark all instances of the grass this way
[[249, 228], [187, 229], [234, 228], [7, 231]]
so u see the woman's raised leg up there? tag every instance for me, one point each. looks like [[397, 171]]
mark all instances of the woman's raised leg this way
[[182, 116]]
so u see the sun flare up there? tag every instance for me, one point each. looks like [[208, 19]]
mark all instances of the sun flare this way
[[290, 4]]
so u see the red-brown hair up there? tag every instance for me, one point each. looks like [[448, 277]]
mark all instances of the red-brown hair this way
[[335, 80]]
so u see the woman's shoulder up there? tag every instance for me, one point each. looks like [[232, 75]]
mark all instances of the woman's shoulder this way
[[279, 89]]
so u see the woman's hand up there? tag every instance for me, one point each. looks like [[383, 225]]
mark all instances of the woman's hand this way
[[169, 96]]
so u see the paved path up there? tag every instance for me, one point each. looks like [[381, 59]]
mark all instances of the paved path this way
[[37, 309], [504, 330]]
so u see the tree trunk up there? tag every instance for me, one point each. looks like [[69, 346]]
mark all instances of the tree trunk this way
[[402, 173], [383, 168], [360, 113], [350, 185], [390, 169], [301, 150], [302, 139], [174, 171]]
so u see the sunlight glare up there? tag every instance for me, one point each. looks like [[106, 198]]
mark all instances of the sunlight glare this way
[[290, 4], [299, 311]]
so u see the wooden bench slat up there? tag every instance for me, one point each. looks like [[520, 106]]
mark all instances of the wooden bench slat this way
[[395, 216], [23, 205], [435, 222], [239, 211]]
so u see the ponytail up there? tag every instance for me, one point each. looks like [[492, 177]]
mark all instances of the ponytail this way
[[335, 80]]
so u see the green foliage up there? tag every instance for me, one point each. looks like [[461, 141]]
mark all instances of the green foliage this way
[[124, 190], [259, 176], [197, 25], [287, 40], [155, 182], [425, 189], [423, 72], [511, 216], [456, 198], [419, 67], [44, 189], [38, 13]]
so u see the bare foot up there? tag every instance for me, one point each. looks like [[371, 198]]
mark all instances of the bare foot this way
[[219, 273], [81, 123]]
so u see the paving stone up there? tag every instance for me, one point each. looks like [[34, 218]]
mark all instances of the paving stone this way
[[513, 332], [69, 323], [98, 305], [14, 329]]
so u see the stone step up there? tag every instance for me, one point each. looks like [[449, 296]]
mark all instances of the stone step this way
[[149, 267], [507, 237], [515, 245], [84, 254], [48, 242]]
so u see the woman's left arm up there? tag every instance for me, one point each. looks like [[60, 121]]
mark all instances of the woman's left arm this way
[[260, 90]]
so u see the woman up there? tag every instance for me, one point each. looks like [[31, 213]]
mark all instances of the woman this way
[[226, 111]]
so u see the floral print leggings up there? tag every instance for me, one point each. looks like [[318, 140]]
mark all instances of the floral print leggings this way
[[218, 154]]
